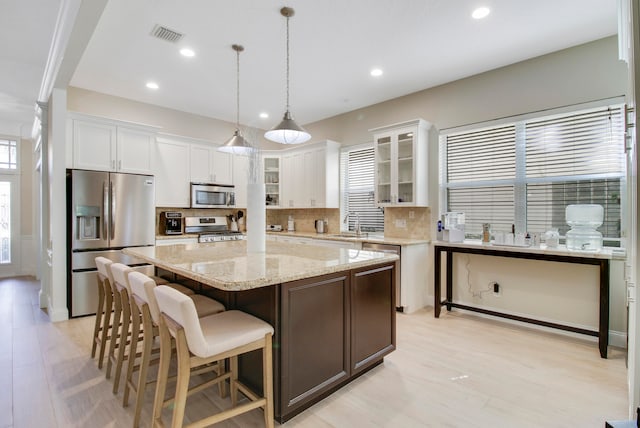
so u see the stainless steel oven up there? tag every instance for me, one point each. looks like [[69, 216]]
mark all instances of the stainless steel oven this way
[[212, 195]]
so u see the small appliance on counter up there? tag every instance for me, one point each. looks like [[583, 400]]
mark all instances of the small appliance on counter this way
[[274, 228], [291, 225], [320, 226], [584, 219], [211, 229], [171, 223], [453, 227]]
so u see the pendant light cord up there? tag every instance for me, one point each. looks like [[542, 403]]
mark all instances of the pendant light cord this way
[[287, 63], [238, 90]]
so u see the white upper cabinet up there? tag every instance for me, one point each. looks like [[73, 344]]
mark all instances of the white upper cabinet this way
[[401, 163], [208, 165], [271, 168], [171, 168], [104, 145], [310, 176], [240, 179]]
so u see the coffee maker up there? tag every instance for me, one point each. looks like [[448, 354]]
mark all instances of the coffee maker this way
[[171, 223]]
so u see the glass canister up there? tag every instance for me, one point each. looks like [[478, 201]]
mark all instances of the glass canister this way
[[552, 238], [486, 233]]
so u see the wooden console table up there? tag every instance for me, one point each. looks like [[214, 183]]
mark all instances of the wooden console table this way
[[600, 259]]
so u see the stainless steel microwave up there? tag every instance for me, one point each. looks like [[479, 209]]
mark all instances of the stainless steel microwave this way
[[212, 195]]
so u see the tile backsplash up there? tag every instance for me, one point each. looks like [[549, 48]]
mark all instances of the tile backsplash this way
[[407, 222], [305, 218], [192, 212]]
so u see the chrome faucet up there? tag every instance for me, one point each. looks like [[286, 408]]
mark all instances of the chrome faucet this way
[[358, 230]]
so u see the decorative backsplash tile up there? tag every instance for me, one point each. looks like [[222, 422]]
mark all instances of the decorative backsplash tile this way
[[304, 219], [407, 222]]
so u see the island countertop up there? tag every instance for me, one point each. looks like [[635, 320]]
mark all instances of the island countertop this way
[[228, 266]]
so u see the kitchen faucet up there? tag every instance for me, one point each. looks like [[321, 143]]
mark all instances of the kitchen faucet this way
[[358, 230]]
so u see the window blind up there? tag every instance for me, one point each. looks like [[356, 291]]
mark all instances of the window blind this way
[[358, 190], [526, 173]]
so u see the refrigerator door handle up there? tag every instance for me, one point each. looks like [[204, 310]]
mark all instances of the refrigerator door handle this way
[[105, 210], [112, 214]]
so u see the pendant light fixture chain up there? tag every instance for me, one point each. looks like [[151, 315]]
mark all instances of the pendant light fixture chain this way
[[287, 12], [238, 49]]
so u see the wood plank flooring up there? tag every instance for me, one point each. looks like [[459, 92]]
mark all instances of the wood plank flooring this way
[[456, 371]]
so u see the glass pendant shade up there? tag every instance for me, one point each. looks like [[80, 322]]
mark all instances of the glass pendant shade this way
[[288, 132], [236, 145]]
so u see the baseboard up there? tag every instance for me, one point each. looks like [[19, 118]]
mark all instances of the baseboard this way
[[618, 339], [57, 314]]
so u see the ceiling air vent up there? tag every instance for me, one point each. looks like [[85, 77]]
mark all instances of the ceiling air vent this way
[[167, 34]]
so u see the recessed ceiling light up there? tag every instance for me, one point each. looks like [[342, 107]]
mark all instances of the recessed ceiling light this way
[[264, 115], [187, 52], [376, 72], [152, 85], [480, 13]]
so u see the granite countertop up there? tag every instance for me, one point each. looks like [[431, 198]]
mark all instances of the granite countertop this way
[[228, 266], [561, 250], [183, 236], [372, 237]]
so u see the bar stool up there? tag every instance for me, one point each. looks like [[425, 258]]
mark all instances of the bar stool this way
[[102, 327], [205, 340], [145, 308]]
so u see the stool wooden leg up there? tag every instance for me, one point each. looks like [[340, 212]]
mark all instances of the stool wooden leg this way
[[267, 381], [147, 346], [233, 380], [107, 327], [115, 332], [135, 333], [182, 382], [163, 373], [99, 314], [122, 345]]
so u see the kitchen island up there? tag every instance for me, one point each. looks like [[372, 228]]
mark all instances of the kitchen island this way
[[332, 309]]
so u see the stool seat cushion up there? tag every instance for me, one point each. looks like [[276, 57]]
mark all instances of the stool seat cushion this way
[[206, 306], [228, 330], [120, 274], [212, 334], [181, 288]]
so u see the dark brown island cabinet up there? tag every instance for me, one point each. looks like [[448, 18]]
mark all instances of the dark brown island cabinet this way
[[329, 330]]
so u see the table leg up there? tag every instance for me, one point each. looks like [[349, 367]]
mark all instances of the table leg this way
[[437, 260], [603, 337], [449, 279]]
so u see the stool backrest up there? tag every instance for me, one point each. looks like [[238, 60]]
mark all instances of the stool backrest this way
[[182, 310], [142, 286], [120, 272], [104, 268]]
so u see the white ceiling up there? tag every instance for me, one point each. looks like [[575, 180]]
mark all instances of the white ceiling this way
[[334, 44]]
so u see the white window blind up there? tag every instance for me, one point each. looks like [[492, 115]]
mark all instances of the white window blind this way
[[357, 166], [527, 172]]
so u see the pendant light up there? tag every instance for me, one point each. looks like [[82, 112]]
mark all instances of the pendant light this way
[[287, 131], [237, 144]]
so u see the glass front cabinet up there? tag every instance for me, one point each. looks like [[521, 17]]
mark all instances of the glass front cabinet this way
[[272, 180], [401, 163]]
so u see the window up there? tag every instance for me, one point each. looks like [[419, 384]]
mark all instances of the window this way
[[357, 186], [8, 154], [525, 173]]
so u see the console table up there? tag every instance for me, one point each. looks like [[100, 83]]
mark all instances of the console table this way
[[600, 259]]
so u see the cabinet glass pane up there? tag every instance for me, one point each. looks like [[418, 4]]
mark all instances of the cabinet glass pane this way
[[405, 145], [272, 181], [405, 192], [384, 193]]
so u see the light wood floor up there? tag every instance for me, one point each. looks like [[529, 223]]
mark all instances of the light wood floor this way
[[456, 371]]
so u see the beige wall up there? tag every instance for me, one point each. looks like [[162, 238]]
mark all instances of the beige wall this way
[[584, 73]]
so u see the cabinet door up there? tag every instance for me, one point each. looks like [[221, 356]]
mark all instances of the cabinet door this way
[[272, 174], [171, 168], [315, 338], [287, 185], [373, 315], [404, 166], [134, 151], [298, 182], [240, 179], [94, 146], [200, 164], [310, 194], [382, 148], [221, 167]]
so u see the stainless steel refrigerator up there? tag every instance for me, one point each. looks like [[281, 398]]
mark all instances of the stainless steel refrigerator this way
[[106, 212]]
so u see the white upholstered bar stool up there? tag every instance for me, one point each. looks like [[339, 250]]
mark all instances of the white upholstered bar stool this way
[[104, 311], [145, 307], [200, 341]]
